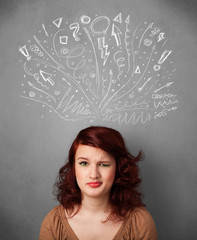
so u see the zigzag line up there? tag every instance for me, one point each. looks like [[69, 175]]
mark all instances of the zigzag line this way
[[125, 118], [77, 108], [164, 103]]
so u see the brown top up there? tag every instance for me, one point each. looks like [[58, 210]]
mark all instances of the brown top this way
[[139, 225]]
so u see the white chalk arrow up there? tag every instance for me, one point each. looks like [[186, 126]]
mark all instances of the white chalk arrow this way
[[116, 33], [47, 77]]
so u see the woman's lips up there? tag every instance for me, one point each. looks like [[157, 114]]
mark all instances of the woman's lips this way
[[94, 184]]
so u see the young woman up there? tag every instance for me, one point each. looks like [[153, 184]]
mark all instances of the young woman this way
[[98, 191]]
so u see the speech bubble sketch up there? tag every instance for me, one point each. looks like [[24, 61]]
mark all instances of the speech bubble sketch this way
[[100, 68]]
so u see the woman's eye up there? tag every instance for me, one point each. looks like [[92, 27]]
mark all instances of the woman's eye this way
[[104, 165], [83, 163]]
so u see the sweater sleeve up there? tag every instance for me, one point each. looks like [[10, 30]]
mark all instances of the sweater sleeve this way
[[143, 226], [53, 226], [45, 229]]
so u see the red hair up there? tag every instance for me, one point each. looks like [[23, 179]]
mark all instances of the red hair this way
[[125, 194]]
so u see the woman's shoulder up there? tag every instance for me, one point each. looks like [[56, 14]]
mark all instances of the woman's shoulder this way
[[56, 214], [53, 225], [55, 210], [141, 223], [140, 213], [141, 216]]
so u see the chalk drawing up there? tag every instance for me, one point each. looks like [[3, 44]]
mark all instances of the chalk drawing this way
[[45, 31], [127, 42], [164, 56], [57, 22], [25, 52], [118, 18], [85, 19], [103, 47], [100, 67], [75, 26], [116, 33], [100, 25]]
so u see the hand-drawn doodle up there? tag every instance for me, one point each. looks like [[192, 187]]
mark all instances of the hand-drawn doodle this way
[[103, 48], [85, 19], [57, 22], [76, 27], [98, 67], [118, 18], [116, 33]]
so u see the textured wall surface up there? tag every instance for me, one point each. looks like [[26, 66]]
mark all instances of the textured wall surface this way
[[130, 65]]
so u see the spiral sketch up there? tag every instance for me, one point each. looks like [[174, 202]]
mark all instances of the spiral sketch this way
[[100, 68]]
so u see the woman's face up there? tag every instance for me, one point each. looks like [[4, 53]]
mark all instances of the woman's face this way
[[95, 171]]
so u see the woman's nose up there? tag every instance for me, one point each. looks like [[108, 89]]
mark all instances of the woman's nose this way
[[94, 172]]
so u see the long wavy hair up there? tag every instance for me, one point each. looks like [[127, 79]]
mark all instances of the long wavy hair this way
[[125, 193]]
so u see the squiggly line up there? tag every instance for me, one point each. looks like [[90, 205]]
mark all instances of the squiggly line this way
[[164, 112], [127, 21], [77, 107], [164, 103], [156, 96], [125, 118]]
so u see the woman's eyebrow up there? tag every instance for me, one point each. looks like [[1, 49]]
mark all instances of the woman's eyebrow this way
[[105, 161], [82, 158]]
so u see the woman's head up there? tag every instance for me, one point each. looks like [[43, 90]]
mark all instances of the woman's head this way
[[107, 139], [124, 192]]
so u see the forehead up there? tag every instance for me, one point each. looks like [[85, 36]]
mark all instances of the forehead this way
[[89, 152]]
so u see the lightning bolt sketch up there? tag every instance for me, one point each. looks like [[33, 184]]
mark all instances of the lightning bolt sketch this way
[[104, 49]]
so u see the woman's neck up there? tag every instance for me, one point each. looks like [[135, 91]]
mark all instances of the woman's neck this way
[[94, 205]]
